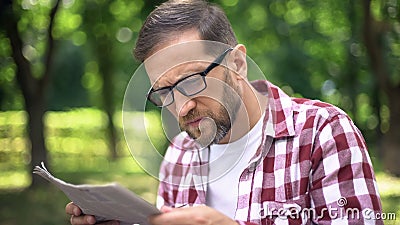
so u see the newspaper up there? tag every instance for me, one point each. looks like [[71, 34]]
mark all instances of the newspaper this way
[[105, 202]]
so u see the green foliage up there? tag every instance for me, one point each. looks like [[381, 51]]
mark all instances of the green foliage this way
[[78, 154], [316, 49], [10, 96], [76, 142], [46, 206], [76, 30], [390, 195], [13, 149], [319, 43], [68, 89]]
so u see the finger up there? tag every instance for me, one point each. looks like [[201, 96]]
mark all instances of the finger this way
[[82, 220], [175, 216], [165, 209], [73, 209]]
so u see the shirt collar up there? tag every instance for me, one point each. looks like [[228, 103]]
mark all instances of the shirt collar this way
[[279, 112]]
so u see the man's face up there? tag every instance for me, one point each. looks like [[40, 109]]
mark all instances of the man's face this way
[[208, 115], [211, 119]]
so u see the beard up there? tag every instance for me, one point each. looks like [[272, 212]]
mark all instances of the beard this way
[[216, 123]]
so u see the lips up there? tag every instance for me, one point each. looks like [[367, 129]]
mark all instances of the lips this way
[[194, 122]]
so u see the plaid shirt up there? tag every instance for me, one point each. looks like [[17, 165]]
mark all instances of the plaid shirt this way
[[312, 167]]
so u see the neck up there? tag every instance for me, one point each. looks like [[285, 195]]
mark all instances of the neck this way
[[248, 115]]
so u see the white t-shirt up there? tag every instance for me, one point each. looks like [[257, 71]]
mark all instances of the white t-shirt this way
[[227, 162]]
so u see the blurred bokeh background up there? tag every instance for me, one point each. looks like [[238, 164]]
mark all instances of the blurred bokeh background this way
[[64, 66]]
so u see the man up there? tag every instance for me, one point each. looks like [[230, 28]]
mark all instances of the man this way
[[287, 161]]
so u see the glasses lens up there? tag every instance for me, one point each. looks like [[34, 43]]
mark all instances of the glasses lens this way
[[192, 85], [189, 86], [161, 98]]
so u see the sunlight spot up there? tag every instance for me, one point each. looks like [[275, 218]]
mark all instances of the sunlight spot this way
[[68, 3], [79, 38], [328, 88], [124, 35], [29, 52]]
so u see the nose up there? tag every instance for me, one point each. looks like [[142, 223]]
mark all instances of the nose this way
[[183, 104]]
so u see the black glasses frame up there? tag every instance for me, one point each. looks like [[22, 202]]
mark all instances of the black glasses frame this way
[[203, 74]]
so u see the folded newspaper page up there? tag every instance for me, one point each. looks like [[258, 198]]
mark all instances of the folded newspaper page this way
[[105, 202]]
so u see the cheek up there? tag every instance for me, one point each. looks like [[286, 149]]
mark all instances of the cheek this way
[[172, 110], [214, 91], [207, 103]]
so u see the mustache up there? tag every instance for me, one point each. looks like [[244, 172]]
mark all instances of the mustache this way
[[193, 114]]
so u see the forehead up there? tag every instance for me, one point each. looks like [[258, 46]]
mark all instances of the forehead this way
[[171, 57]]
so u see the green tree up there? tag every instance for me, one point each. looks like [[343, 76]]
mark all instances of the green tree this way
[[382, 41], [33, 84], [109, 35], [343, 52]]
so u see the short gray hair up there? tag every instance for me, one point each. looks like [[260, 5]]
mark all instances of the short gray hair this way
[[181, 15]]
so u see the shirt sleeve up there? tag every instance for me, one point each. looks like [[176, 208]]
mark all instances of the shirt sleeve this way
[[164, 194], [343, 188]]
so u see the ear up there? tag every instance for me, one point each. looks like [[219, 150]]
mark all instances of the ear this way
[[239, 64]]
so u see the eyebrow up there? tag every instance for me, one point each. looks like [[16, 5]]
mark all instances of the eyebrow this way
[[182, 76]]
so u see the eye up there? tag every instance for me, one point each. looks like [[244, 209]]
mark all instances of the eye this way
[[191, 85], [162, 97], [163, 92]]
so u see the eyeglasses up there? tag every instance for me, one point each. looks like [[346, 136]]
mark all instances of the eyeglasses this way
[[188, 86]]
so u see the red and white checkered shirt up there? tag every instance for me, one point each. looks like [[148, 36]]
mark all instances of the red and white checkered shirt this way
[[312, 167]]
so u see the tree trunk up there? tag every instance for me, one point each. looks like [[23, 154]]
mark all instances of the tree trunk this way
[[349, 79], [33, 89], [112, 136], [103, 50], [108, 91], [374, 33], [35, 106], [391, 141]]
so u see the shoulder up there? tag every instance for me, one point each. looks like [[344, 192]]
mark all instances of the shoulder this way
[[318, 112], [327, 110]]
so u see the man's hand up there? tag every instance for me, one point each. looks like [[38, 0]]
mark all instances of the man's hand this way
[[77, 218], [191, 216]]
